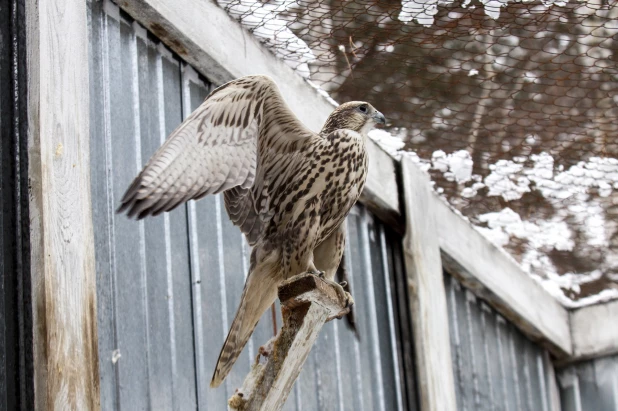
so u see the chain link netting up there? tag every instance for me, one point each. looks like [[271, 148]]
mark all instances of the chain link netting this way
[[511, 106]]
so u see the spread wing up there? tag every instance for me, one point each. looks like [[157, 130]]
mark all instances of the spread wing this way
[[229, 142]]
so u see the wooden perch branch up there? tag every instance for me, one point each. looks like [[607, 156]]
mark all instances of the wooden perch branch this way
[[307, 303]]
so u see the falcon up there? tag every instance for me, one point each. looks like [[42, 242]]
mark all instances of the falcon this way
[[286, 187]]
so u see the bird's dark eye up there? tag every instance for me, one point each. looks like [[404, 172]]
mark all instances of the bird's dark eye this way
[[363, 109]]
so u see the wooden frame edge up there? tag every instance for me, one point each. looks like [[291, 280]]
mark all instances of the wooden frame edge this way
[[427, 294], [62, 238]]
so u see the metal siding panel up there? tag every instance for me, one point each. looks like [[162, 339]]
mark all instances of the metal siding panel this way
[[451, 289], [393, 373], [523, 373], [536, 385], [505, 364], [384, 347], [185, 396], [491, 370], [349, 345], [475, 333], [545, 375], [155, 245], [349, 370], [484, 382], [183, 364], [403, 321], [214, 322], [515, 369], [467, 367], [324, 354], [359, 270], [569, 390], [590, 385], [99, 109], [192, 94], [587, 386], [307, 382], [496, 367], [129, 288], [372, 311], [606, 374]]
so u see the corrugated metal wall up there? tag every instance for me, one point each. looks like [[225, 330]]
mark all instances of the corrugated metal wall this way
[[496, 367], [590, 385], [169, 286]]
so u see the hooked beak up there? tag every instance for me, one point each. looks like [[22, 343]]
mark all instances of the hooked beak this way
[[379, 118]]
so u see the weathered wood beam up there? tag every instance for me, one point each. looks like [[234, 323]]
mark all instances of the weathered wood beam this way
[[595, 330], [307, 303], [62, 239], [427, 296]]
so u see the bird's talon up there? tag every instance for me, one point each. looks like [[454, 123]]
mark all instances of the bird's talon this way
[[349, 301]]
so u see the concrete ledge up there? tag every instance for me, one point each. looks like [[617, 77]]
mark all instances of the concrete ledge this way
[[594, 330]]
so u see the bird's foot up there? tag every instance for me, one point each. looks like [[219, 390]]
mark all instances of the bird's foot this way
[[343, 294], [349, 302], [317, 273]]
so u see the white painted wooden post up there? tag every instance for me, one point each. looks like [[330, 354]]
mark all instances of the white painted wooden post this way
[[427, 296], [62, 256], [307, 303]]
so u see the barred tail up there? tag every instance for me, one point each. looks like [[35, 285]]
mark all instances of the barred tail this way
[[259, 294]]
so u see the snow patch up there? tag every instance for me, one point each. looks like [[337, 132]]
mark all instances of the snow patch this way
[[262, 19], [388, 142], [546, 234], [504, 180], [323, 93], [423, 12], [456, 166]]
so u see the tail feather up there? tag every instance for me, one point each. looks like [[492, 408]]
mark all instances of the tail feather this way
[[259, 294]]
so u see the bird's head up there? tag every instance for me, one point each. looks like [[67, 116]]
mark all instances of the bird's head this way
[[358, 116]]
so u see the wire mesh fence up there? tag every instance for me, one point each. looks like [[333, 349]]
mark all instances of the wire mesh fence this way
[[511, 106]]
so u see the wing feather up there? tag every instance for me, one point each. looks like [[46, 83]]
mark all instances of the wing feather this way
[[228, 144]]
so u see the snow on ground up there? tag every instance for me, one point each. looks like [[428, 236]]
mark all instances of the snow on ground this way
[[455, 167], [422, 11], [544, 235]]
